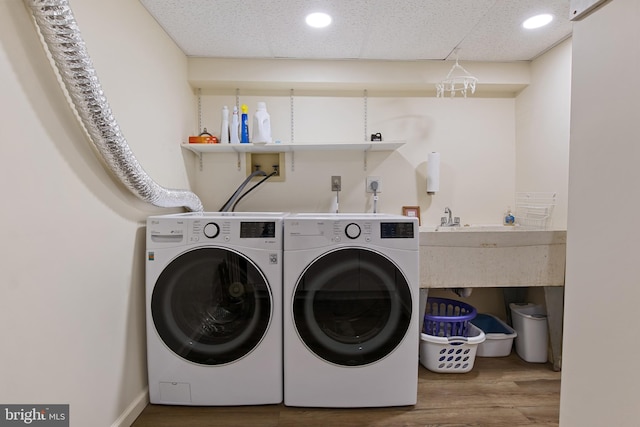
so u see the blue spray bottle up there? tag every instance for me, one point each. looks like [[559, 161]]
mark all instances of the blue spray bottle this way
[[244, 124]]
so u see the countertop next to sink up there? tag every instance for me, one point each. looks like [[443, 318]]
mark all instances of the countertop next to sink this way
[[477, 258]]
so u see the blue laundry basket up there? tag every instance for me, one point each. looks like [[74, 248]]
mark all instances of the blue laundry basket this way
[[447, 318]]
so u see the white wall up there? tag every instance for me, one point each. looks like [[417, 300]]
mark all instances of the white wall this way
[[475, 136], [542, 129], [72, 288], [492, 145], [600, 379]]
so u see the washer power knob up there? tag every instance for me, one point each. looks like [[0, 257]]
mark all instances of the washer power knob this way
[[211, 230], [352, 230]]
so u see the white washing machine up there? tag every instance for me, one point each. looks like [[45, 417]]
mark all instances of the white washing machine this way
[[214, 308], [351, 334]]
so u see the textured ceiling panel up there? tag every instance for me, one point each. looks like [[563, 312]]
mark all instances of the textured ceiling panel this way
[[481, 30], [500, 35], [290, 37], [420, 29]]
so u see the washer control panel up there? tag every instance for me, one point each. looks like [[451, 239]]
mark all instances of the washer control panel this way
[[259, 232], [211, 230], [207, 229], [352, 230], [397, 230], [165, 233], [309, 231], [227, 230]]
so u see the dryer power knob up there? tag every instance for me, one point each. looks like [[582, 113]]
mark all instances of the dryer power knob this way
[[352, 230], [211, 230]]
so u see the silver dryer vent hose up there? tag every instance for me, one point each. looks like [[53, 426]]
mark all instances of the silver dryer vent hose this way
[[61, 35]]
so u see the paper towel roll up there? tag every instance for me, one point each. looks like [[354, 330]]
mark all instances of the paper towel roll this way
[[433, 172]]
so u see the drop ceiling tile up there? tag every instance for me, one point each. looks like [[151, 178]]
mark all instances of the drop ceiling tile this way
[[421, 29], [501, 37], [289, 36], [484, 30], [210, 28]]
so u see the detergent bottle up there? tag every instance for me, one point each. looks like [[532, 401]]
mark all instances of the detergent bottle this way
[[261, 124], [244, 124]]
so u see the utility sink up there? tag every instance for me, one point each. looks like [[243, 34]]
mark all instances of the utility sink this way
[[484, 256], [481, 227], [491, 256]]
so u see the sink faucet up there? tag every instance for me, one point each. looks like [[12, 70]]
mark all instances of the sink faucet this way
[[448, 221], [448, 211]]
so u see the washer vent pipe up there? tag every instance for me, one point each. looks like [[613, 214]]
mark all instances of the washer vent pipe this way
[[61, 34]]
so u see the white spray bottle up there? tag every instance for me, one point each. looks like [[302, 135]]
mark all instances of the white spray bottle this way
[[235, 125], [224, 126]]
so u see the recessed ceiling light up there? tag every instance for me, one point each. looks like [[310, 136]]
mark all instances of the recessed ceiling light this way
[[318, 20], [537, 21]]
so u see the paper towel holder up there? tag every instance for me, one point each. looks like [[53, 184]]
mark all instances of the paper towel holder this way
[[433, 173]]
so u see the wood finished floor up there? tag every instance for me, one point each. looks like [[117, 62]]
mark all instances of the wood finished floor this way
[[500, 392]]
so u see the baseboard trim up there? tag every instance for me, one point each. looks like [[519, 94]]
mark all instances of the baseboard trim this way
[[133, 410]]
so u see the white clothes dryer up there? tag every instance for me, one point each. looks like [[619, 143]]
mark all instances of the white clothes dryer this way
[[214, 308], [351, 334]]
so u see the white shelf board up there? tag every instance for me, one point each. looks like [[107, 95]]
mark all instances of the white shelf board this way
[[298, 146]]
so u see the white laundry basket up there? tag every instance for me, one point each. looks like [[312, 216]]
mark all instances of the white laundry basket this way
[[450, 354], [530, 322]]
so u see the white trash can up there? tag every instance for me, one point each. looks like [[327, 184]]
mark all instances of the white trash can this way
[[530, 322]]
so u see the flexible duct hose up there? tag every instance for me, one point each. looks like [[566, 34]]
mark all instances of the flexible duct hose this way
[[61, 34]]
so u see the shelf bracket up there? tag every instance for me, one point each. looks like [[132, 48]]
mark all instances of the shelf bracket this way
[[366, 108], [199, 154], [293, 158], [199, 110]]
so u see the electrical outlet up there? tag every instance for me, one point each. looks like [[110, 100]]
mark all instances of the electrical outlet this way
[[336, 183], [371, 180]]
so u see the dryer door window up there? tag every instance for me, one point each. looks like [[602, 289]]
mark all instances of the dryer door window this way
[[211, 306], [352, 307]]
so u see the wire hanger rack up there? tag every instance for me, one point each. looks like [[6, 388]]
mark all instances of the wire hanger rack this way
[[458, 81]]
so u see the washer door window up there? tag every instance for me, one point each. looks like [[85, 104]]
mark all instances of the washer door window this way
[[352, 307], [211, 306]]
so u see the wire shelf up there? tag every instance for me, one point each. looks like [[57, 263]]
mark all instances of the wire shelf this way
[[535, 209]]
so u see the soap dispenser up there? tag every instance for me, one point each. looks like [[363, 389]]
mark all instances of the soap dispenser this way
[[509, 219]]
